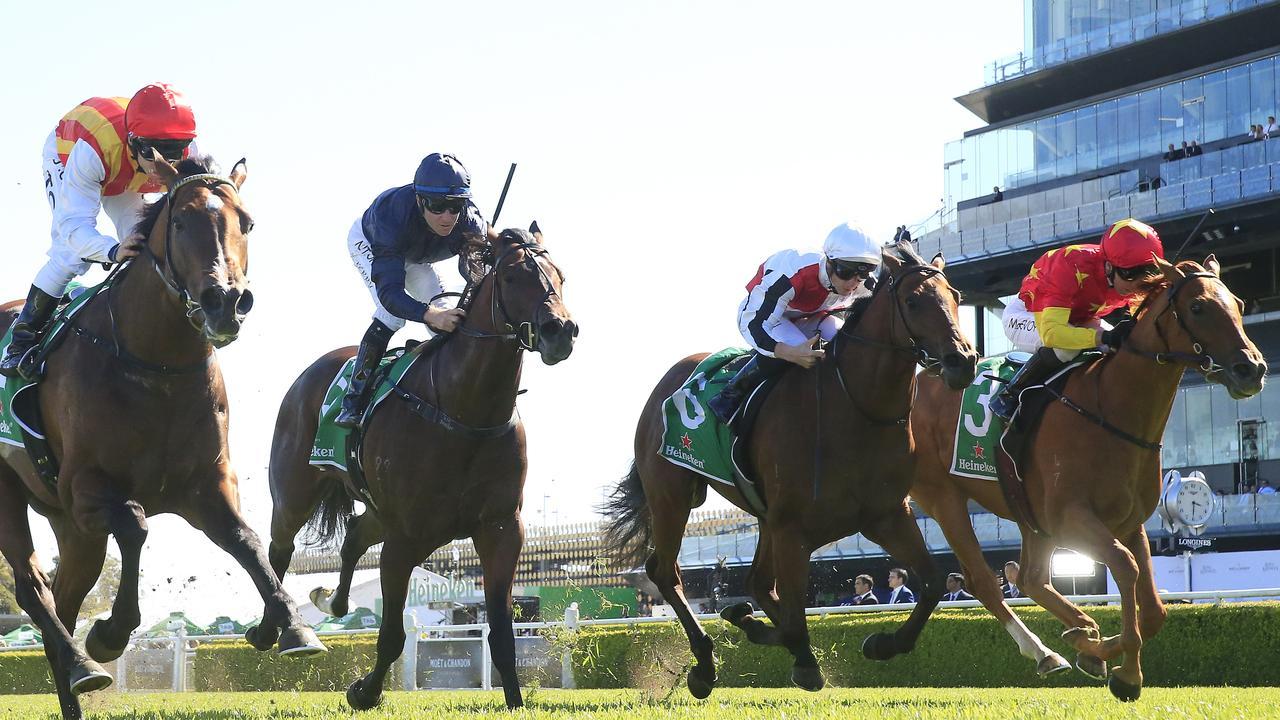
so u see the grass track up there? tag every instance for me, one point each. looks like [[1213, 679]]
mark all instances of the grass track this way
[[725, 704]]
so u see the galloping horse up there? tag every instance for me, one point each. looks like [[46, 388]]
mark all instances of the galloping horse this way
[[1090, 488], [458, 474], [136, 412], [867, 386]]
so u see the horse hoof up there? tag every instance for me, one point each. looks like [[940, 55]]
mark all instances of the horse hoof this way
[[734, 613], [701, 682], [98, 648], [300, 641], [1123, 691], [89, 677], [356, 697], [1094, 667], [1075, 636], [879, 646], [261, 638], [1052, 664], [808, 678]]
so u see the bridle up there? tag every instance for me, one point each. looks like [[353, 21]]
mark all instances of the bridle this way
[[917, 350], [1199, 358], [524, 333]]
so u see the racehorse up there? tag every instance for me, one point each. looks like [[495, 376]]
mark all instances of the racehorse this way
[[135, 410], [857, 482], [444, 461], [1090, 488]]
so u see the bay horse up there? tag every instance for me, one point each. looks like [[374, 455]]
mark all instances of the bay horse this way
[[867, 386], [1090, 489], [433, 481], [135, 410]]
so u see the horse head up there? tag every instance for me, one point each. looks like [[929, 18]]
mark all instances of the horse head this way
[[1201, 324], [929, 310], [525, 296], [200, 245]]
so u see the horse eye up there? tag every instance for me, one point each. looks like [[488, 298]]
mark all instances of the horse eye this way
[[177, 224], [1197, 307], [248, 228], [911, 303]]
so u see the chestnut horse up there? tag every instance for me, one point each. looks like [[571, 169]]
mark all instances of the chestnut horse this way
[[136, 412], [1090, 489], [867, 388], [433, 481]]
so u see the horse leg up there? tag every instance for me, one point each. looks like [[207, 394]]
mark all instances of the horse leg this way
[[217, 517], [363, 532], [668, 500], [80, 559], [73, 671], [898, 533], [952, 515], [763, 583], [498, 545], [1034, 581], [127, 521], [791, 566], [1151, 610], [396, 566]]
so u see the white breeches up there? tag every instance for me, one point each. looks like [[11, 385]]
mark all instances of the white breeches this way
[[420, 281]]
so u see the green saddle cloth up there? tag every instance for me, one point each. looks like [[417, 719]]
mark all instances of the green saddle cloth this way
[[330, 446], [692, 437], [978, 429]]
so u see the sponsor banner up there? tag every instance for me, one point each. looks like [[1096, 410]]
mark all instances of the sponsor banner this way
[[1216, 571], [978, 429]]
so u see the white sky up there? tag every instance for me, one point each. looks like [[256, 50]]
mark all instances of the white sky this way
[[666, 148]]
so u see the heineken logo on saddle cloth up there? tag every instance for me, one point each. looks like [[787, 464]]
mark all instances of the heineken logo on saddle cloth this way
[[692, 437], [330, 446], [978, 429]]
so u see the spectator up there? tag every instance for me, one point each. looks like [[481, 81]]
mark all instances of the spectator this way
[[1255, 132], [1185, 152], [1272, 129], [1264, 488], [998, 195], [1195, 149], [1011, 580], [862, 588], [898, 590], [1170, 154], [955, 588]]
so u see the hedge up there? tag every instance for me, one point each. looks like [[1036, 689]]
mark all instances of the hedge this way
[[1232, 644]]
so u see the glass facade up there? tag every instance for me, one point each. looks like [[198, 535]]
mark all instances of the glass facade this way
[[1058, 31], [1143, 124], [1204, 427]]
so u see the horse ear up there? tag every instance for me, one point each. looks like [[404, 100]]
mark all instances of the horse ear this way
[[938, 261], [1171, 272], [892, 262], [1211, 264], [537, 231], [163, 169], [239, 172]]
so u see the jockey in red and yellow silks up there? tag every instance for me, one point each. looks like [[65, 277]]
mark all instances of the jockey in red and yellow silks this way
[[98, 159], [1058, 311]]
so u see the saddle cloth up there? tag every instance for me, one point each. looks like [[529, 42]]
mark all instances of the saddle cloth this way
[[330, 446]]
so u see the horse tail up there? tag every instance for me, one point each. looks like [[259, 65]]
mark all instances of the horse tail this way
[[328, 521], [629, 526]]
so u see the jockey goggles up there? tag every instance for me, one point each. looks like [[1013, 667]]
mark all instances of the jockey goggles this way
[[849, 269], [171, 150], [438, 205], [1139, 272]]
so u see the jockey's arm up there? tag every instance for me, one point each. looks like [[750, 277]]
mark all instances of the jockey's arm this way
[[76, 207], [388, 275], [771, 333], [1056, 330], [492, 233]]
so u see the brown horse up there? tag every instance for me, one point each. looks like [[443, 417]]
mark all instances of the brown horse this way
[[459, 474], [867, 387], [136, 412], [1090, 489]]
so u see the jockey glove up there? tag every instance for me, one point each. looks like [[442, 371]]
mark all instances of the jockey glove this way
[[1116, 336]]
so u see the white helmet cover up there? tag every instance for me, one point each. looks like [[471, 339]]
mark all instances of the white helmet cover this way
[[850, 242]]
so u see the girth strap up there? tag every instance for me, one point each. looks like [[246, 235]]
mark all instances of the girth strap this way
[[1103, 422]]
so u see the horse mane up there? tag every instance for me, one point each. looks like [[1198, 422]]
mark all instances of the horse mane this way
[[477, 256], [186, 168], [907, 253], [1158, 287]]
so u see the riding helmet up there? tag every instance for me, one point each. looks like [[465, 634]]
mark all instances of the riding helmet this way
[[1130, 243], [443, 176]]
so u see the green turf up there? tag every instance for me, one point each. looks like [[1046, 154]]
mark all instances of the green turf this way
[[726, 704]]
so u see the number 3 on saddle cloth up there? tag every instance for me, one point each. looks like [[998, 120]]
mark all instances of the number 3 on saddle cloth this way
[[985, 448], [693, 438], [20, 423]]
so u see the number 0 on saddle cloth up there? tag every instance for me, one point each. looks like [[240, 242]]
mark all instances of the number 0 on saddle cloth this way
[[692, 437]]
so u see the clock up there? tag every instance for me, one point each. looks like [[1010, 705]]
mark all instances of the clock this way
[[1187, 501]]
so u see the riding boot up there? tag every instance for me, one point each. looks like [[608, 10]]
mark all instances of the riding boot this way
[[1042, 364], [748, 378], [372, 348], [27, 329]]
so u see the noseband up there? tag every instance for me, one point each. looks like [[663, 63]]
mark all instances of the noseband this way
[[525, 333]]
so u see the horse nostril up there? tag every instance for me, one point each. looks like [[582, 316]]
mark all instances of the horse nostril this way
[[573, 326], [244, 303], [1247, 370], [211, 300]]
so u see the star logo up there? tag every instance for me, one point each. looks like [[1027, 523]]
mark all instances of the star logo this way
[[1070, 249], [1035, 272], [1094, 308], [979, 452], [1080, 277], [686, 442]]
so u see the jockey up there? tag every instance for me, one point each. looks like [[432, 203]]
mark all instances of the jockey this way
[[1058, 312], [791, 302], [99, 158], [393, 245]]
